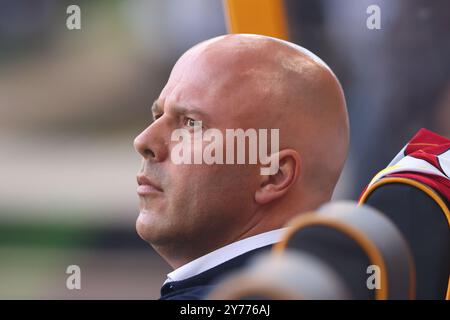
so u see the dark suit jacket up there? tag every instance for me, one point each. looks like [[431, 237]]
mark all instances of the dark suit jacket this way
[[199, 286]]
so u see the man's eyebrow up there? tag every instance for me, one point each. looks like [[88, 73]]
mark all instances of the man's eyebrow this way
[[156, 107], [179, 109], [185, 109]]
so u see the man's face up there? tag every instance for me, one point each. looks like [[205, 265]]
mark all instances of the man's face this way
[[197, 204]]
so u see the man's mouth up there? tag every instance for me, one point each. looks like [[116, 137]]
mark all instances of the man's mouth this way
[[147, 186]]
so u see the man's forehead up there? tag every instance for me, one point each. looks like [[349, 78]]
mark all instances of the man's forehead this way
[[226, 58], [204, 81]]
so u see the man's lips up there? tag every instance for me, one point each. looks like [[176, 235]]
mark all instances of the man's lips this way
[[146, 186]]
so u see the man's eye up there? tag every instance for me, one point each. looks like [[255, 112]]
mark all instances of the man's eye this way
[[157, 116], [192, 123]]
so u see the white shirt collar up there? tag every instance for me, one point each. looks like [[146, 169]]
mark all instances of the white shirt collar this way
[[224, 254]]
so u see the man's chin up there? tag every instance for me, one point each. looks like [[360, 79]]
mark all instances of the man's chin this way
[[148, 226]]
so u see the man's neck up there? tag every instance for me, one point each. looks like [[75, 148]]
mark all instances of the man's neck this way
[[226, 253], [176, 259]]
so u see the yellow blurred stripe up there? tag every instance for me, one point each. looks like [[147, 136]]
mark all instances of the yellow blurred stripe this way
[[266, 17]]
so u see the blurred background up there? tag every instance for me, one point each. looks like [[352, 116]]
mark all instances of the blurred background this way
[[72, 101]]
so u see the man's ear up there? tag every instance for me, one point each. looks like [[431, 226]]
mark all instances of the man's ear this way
[[274, 186]]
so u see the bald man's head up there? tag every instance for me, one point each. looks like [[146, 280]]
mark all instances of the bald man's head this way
[[282, 86], [248, 82]]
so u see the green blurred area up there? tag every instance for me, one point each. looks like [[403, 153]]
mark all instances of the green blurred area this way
[[51, 235]]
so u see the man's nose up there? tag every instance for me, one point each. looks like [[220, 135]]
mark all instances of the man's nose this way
[[150, 144]]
